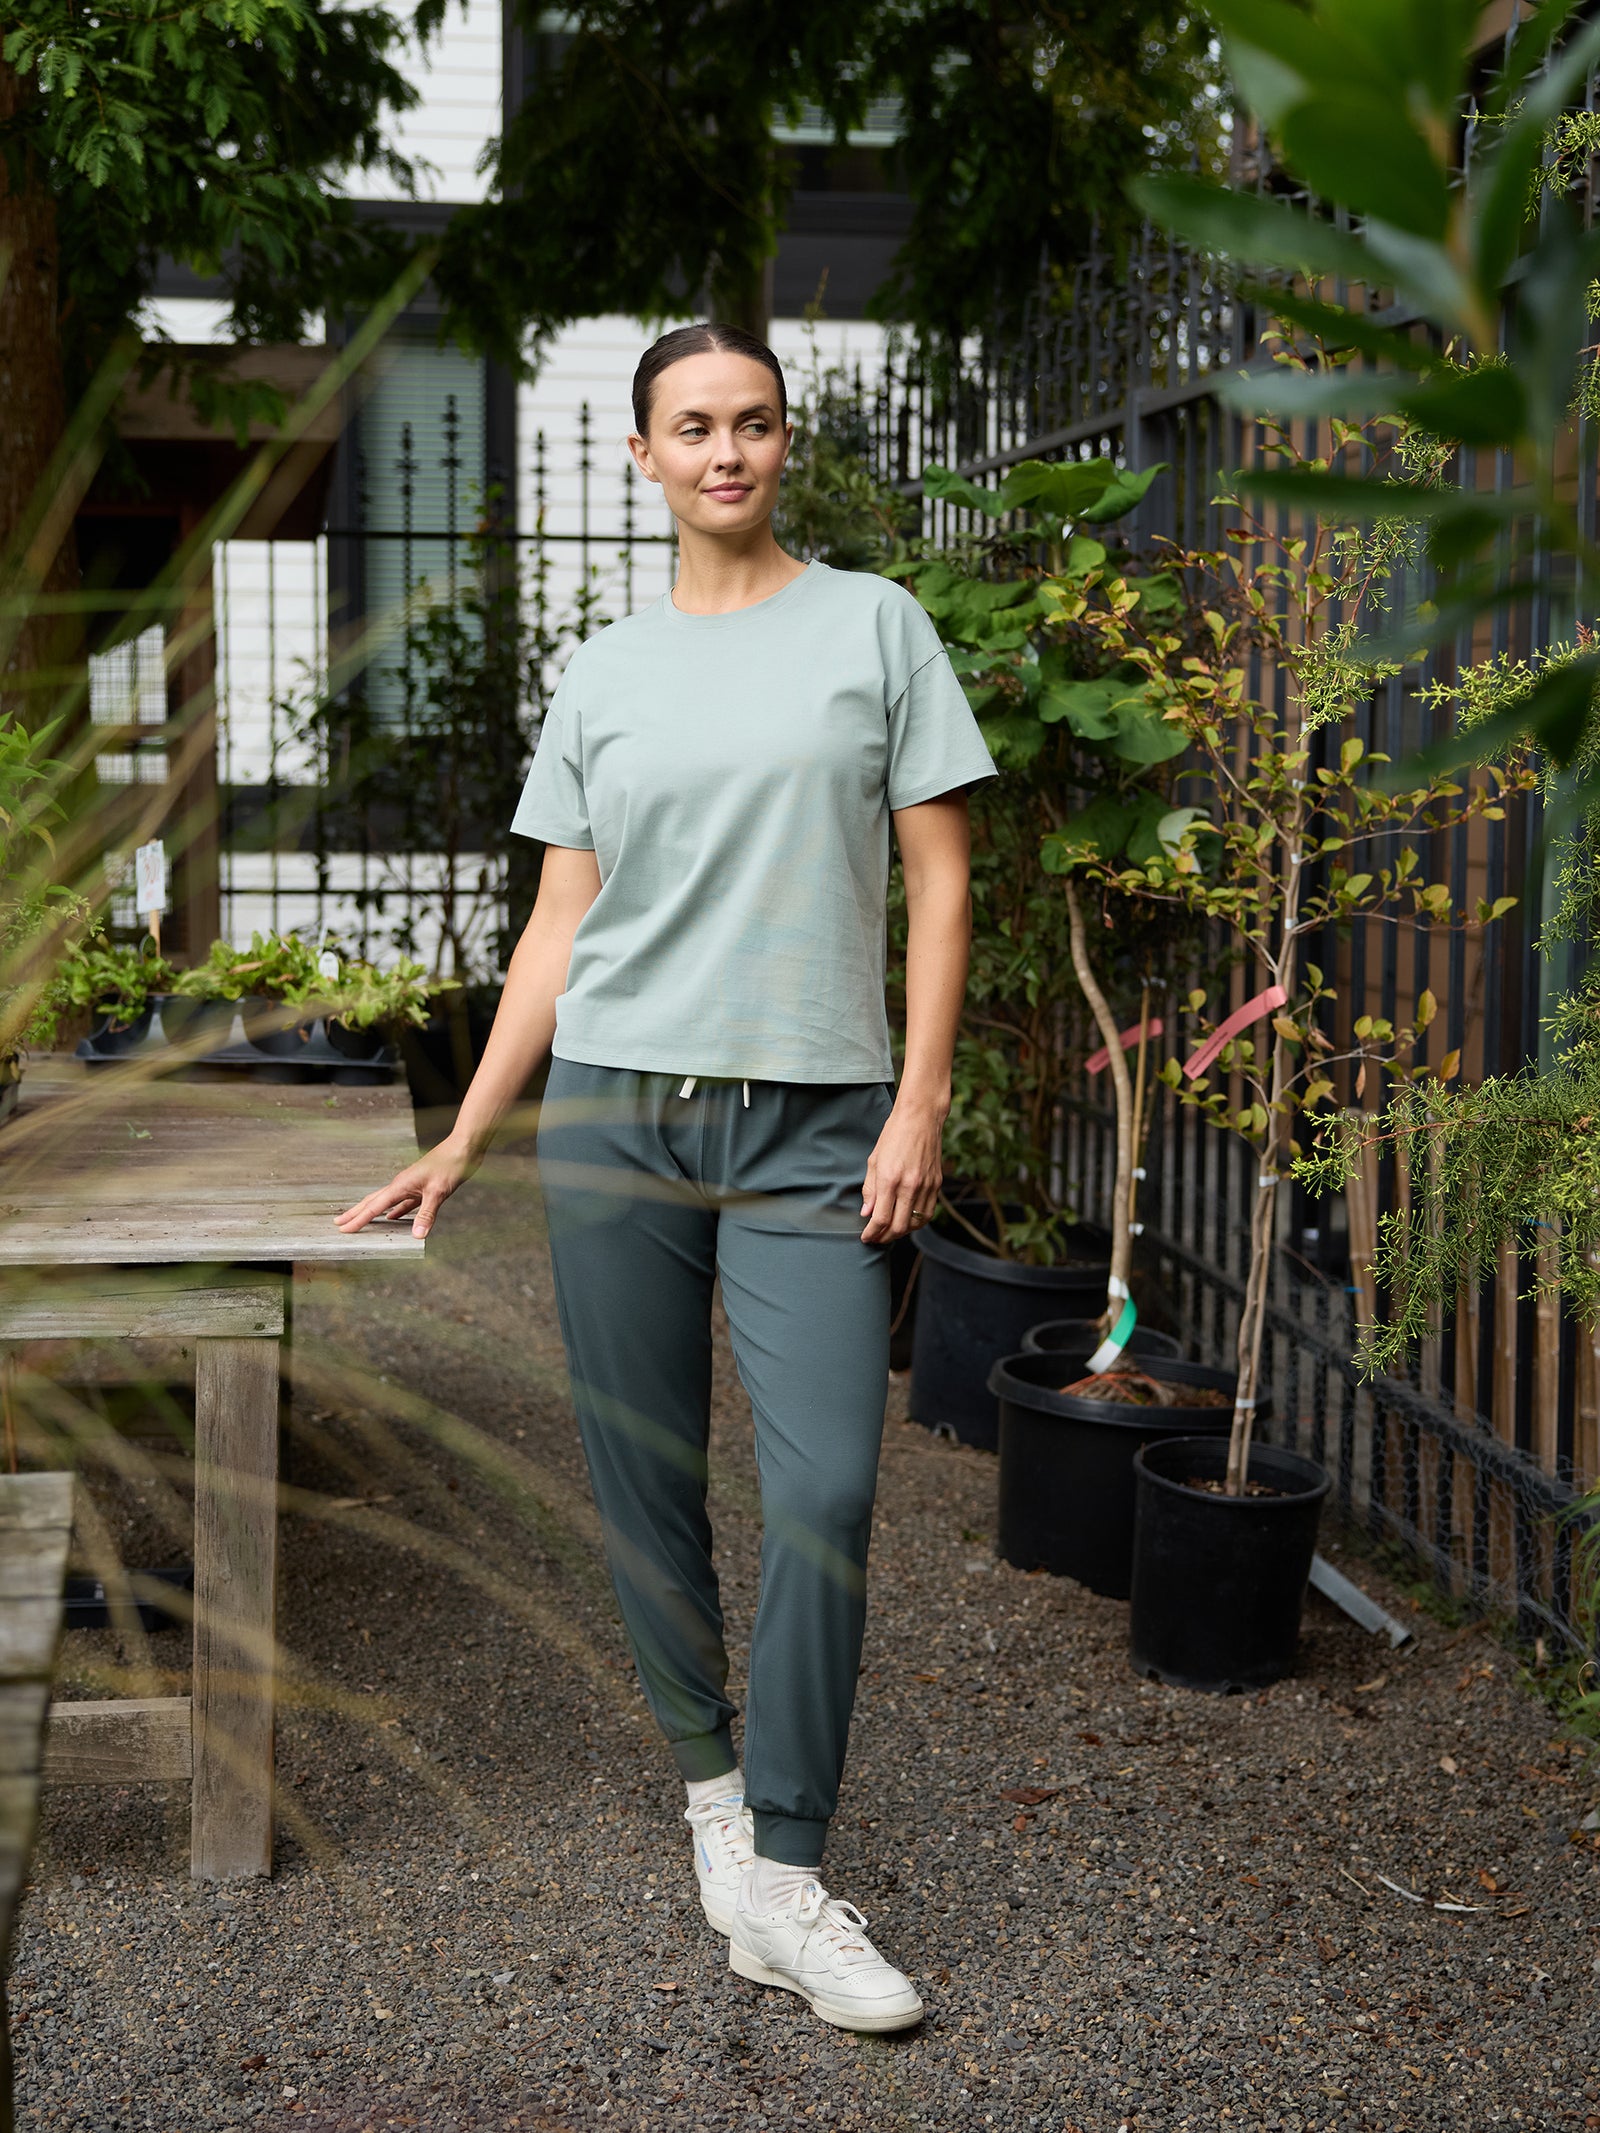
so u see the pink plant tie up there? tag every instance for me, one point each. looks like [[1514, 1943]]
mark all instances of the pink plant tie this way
[[1241, 1018], [1097, 1062]]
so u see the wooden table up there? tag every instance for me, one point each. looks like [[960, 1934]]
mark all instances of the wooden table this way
[[135, 1207]]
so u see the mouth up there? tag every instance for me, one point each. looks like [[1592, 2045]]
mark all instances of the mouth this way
[[729, 492]]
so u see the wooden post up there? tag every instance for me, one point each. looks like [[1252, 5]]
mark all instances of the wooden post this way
[[192, 827], [235, 1593]]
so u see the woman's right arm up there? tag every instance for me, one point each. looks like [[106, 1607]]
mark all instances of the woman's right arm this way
[[524, 1026]]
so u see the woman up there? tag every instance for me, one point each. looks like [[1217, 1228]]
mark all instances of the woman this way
[[714, 784]]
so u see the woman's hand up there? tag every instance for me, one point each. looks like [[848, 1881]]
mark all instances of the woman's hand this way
[[904, 1173], [419, 1191]]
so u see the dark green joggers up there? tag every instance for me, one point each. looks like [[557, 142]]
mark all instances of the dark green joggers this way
[[650, 1194]]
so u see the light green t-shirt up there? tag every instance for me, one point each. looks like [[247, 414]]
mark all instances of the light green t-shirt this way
[[734, 776]]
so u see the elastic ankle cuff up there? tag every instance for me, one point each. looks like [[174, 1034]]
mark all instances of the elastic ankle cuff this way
[[793, 1840], [708, 1755]]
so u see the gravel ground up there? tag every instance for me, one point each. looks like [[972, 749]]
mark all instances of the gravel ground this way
[[483, 1914]]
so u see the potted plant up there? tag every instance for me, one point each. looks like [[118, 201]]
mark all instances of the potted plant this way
[[38, 914], [283, 1004], [1008, 1249], [125, 985], [308, 1004], [1070, 1428], [1293, 835]]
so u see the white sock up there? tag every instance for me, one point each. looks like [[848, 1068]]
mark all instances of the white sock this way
[[702, 1791], [773, 1885]]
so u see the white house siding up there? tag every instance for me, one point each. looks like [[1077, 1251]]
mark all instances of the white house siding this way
[[458, 75]]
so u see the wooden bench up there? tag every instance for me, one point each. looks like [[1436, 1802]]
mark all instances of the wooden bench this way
[[35, 1526]]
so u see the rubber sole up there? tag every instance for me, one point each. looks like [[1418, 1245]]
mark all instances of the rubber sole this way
[[720, 1921], [743, 1964]]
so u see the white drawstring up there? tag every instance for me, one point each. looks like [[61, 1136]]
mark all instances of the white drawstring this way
[[688, 1089]]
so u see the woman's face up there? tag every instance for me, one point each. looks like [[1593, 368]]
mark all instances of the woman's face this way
[[715, 444]]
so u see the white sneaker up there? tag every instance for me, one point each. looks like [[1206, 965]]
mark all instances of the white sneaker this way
[[724, 1846], [820, 1949]]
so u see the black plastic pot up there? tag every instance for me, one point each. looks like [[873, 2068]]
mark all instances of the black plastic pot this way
[[1219, 1581], [972, 1309], [109, 1039], [272, 1028], [84, 1603], [186, 1021], [351, 1042], [904, 1282], [1066, 1463], [1081, 1336]]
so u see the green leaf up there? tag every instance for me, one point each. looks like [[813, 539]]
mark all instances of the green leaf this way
[[1350, 147], [949, 487], [1087, 706], [1122, 495], [1251, 227], [1158, 595], [1064, 488], [1099, 832], [1485, 406], [1499, 192], [1421, 271], [1144, 736], [1352, 498], [1082, 556], [1275, 52]]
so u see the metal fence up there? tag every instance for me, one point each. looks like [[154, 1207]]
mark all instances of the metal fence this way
[[352, 764], [1472, 1465]]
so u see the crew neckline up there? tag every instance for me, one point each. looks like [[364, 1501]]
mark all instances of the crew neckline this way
[[680, 620]]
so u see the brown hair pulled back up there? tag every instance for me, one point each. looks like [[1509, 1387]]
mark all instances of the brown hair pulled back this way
[[708, 339]]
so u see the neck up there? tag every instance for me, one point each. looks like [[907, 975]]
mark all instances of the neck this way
[[720, 572]]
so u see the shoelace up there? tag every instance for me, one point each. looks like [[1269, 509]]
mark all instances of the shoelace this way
[[840, 1925], [721, 1815]]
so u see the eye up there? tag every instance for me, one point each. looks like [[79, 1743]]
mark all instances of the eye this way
[[692, 429]]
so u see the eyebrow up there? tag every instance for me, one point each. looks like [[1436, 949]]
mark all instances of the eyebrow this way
[[694, 414]]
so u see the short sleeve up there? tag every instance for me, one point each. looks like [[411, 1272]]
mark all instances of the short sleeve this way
[[934, 742], [553, 807]]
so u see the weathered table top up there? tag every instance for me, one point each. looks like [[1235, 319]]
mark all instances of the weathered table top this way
[[108, 1165]]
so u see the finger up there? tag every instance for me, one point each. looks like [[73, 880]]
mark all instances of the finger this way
[[387, 1200], [432, 1200], [886, 1200]]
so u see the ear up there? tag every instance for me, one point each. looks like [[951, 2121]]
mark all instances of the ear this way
[[641, 457]]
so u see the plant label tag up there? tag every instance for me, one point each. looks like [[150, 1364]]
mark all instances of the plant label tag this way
[[150, 878], [328, 964]]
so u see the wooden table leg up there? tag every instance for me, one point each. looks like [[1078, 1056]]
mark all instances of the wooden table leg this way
[[235, 1592]]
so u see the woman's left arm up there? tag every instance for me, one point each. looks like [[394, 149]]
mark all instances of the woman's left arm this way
[[905, 1172]]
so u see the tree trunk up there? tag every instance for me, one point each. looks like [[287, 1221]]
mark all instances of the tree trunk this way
[[33, 398], [1122, 1087], [745, 300]]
